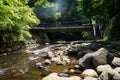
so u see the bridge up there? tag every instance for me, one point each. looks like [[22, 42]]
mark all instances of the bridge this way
[[70, 26], [63, 29], [73, 26]]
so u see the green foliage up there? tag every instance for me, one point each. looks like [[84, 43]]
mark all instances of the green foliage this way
[[46, 11], [69, 10], [104, 11], [85, 33], [15, 19]]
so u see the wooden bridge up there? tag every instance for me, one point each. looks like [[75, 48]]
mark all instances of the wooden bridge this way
[[75, 26], [63, 29]]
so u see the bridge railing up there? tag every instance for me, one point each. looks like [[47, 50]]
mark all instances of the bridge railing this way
[[65, 24]]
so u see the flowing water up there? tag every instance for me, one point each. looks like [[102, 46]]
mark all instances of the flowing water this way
[[20, 66]]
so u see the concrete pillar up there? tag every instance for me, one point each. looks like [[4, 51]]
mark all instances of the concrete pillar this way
[[41, 37]]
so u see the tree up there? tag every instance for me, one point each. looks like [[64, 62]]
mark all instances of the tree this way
[[68, 9], [16, 17], [106, 12], [46, 11]]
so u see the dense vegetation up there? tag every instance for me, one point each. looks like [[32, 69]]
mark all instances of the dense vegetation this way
[[17, 16], [106, 12]]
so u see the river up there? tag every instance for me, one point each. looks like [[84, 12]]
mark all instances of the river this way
[[21, 66]]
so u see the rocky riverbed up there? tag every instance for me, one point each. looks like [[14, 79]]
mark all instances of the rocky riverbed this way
[[74, 61]]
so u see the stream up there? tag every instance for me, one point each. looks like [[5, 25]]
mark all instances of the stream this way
[[21, 66]]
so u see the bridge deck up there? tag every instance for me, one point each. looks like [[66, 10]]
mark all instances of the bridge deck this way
[[64, 29]]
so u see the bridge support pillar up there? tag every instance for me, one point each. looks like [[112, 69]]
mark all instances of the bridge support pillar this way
[[41, 37]]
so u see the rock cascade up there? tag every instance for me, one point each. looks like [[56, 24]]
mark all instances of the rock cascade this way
[[96, 65]]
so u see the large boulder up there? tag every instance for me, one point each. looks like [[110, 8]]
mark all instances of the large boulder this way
[[116, 62], [90, 72], [92, 60]]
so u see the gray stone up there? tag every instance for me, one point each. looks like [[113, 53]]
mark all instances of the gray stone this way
[[74, 48], [47, 61], [104, 76], [56, 59], [72, 70], [39, 65], [109, 75], [112, 73], [92, 60], [76, 66], [65, 59], [90, 72], [86, 61], [102, 68], [117, 69], [102, 57], [116, 61], [50, 54], [61, 63]]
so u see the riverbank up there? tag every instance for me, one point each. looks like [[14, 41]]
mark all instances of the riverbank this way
[[17, 46]]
